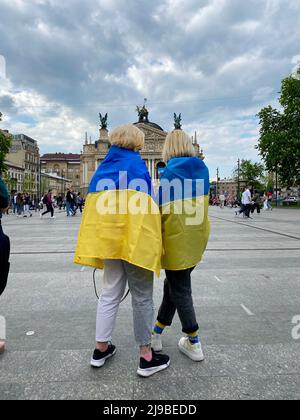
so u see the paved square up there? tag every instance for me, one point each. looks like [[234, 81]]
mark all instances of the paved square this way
[[246, 292]]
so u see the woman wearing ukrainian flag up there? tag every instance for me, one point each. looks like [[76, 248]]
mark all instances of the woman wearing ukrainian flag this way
[[184, 195], [121, 232]]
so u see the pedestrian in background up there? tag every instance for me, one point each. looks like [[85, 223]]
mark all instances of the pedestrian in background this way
[[20, 204], [222, 200], [70, 203], [247, 202], [48, 200], [14, 203], [256, 203], [27, 205], [80, 202]]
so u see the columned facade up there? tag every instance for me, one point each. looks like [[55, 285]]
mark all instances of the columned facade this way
[[94, 153]]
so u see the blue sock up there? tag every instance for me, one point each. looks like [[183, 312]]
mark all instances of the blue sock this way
[[194, 339], [159, 328]]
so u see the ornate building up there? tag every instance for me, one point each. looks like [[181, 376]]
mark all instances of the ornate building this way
[[64, 165], [94, 153]]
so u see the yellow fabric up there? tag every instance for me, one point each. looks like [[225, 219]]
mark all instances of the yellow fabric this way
[[135, 238], [194, 334], [184, 243], [160, 325]]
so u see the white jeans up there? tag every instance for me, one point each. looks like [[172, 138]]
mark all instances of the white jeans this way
[[117, 274]]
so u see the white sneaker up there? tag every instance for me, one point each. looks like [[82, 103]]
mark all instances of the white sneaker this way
[[193, 351], [156, 343], [53, 217]]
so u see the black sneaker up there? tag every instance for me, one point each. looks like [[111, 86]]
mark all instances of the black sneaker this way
[[158, 363], [99, 358]]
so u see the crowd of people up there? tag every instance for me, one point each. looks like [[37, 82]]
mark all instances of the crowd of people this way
[[249, 201], [25, 205]]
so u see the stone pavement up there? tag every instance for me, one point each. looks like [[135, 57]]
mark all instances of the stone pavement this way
[[246, 293]]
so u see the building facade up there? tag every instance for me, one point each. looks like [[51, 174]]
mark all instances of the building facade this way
[[66, 166], [24, 153], [94, 153], [56, 183], [14, 177], [229, 187]]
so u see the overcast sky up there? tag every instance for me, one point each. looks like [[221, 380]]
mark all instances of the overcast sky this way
[[218, 62]]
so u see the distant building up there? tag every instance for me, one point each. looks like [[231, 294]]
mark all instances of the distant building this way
[[64, 165], [24, 153], [56, 183], [227, 186]]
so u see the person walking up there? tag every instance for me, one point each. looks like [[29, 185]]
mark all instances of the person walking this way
[[242, 207], [265, 201], [126, 243], [14, 203], [79, 202], [70, 200], [184, 239], [20, 204], [256, 203], [27, 205], [222, 201], [48, 200], [270, 199], [247, 201], [4, 249]]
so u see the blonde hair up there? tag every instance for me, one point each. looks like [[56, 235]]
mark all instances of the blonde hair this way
[[127, 136], [178, 144]]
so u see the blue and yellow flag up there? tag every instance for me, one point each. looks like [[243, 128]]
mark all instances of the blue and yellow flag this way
[[121, 220], [184, 201]]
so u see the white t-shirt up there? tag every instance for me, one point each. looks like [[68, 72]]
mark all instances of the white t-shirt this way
[[246, 198]]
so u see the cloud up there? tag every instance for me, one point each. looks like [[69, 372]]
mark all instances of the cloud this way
[[218, 62]]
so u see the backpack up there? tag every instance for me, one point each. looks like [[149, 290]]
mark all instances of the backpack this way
[[45, 199]]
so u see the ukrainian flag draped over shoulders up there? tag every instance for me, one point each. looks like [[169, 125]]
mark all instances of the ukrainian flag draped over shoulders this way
[[184, 201], [115, 225]]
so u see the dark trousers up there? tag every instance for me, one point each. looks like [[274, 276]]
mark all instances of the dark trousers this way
[[49, 210], [4, 259], [247, 210], [255, 206], [242, 210], [178, 296]]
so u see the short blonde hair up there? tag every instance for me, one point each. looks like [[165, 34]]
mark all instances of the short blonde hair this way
[[178, 144], [127, 136]]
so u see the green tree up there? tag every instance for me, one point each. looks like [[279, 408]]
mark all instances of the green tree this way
[[251, 173], [10, 182], [279, 142], [5, 144]]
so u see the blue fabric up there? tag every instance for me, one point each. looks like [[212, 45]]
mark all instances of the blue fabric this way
[[190, 173], [121, 160]]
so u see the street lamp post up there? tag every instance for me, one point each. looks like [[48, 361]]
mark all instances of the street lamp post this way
[[239, 183], [217, 185], [276, 186]]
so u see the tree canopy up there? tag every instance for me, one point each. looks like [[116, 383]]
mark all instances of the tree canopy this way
[[279, 142], [251, 173], [5, 144]]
